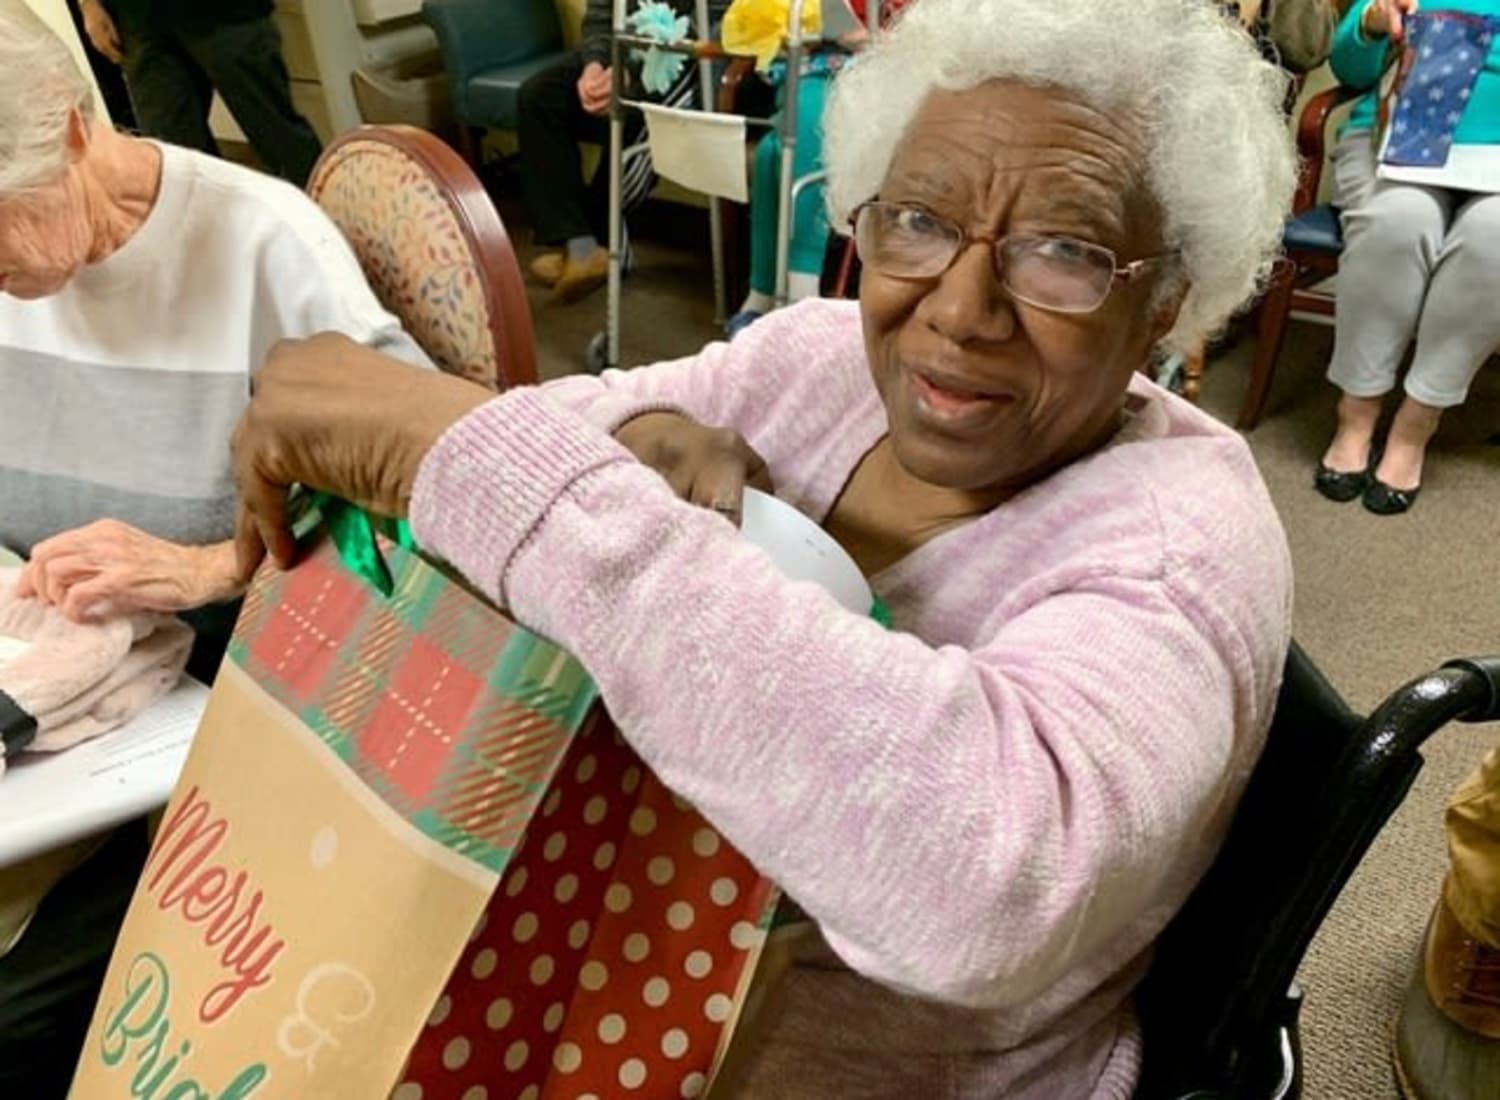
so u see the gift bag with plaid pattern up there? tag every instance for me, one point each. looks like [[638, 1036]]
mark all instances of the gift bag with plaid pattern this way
[[376, 746]]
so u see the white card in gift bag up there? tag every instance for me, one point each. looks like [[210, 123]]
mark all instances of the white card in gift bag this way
[[804, 551]]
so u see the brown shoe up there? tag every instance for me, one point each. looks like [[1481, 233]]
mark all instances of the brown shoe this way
[[547, 268], [1463, 975], [1448, 1037], [580, 278]]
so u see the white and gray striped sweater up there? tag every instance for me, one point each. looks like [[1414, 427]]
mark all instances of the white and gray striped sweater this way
[[118, 394]]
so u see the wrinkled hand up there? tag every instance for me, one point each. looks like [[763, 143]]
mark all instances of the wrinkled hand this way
[[100, 28], [707, 466], [330, 414], [594, 87], [110, 568], [854, 41], [1387, 18]]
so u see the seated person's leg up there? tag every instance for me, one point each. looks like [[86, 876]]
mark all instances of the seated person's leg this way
[[810, 223], [809, 241], [638, 173], [1458, 332], [1448, 1041], [50, 980], [169, 91], [765, 194], [244, 60], [1392, 234], [551, 123]]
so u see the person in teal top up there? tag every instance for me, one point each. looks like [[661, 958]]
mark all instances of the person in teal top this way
[[809, 223], [1360, 59], [1419, 262], [809, 226]]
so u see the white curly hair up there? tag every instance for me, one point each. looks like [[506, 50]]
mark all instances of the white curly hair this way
[[1220, 163], [40, 85]]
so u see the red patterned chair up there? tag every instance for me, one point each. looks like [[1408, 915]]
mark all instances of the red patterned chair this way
[[433, 248]]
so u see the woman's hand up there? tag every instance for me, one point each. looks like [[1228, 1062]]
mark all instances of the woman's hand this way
[[594, 88], [331, 414], [707, 466], [1387, 18], [110, 568], [856, 40], [100, 28]]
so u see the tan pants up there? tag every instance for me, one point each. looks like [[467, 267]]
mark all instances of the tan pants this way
[[1473, 890]]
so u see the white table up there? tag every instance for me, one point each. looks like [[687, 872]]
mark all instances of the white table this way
[[50, 799]]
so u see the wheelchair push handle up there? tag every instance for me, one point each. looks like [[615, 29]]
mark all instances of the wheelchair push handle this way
[[1484, 673], [1466, 690]]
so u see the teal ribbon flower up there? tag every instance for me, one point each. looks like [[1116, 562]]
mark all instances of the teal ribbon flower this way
[[659, 68]]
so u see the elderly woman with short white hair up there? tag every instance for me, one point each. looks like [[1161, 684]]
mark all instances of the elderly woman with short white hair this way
[[990, 811], [141, 286]]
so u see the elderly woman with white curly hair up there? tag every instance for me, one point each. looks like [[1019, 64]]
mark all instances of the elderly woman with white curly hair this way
[[990, 811], [141, 286]]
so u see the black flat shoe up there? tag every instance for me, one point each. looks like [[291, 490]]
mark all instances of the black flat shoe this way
[[1381, 499], [1338, 486]]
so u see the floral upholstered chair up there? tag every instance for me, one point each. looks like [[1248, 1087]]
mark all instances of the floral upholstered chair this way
[[433, 249]]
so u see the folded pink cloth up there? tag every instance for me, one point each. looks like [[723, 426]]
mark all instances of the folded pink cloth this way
[[73, 681]]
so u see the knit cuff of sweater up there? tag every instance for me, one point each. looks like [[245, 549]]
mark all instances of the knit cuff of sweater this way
[[493, 476], [608, 409]]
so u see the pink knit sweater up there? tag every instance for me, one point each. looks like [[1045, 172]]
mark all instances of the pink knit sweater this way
[[991, 811]]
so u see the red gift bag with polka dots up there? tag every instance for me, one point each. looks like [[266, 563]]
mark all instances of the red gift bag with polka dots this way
[[615, 957]]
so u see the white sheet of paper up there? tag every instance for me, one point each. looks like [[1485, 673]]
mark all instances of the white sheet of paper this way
[[49, 799], [702, 151], [1469, 168]]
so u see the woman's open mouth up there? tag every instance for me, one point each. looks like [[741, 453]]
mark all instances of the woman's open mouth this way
[[947, 402]]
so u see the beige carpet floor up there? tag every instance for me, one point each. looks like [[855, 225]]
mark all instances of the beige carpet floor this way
[[1379, 601]]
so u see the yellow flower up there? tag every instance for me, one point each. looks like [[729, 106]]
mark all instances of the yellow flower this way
[[758, 28]]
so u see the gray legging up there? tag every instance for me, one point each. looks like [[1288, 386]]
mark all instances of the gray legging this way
[[1421, 261]]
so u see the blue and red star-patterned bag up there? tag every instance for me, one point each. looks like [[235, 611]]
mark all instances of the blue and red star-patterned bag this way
[[1444, 54]]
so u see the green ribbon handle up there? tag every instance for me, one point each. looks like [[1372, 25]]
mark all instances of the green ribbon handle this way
[[354, 533]]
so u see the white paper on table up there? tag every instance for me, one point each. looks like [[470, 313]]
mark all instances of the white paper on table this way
[[1469, 168], [702, 151], [50, 799]]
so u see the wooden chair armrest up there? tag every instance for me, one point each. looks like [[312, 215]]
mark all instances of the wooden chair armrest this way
[[1312, 129]]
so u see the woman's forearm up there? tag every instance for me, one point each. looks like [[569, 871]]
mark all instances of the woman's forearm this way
[[1357, 59]]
